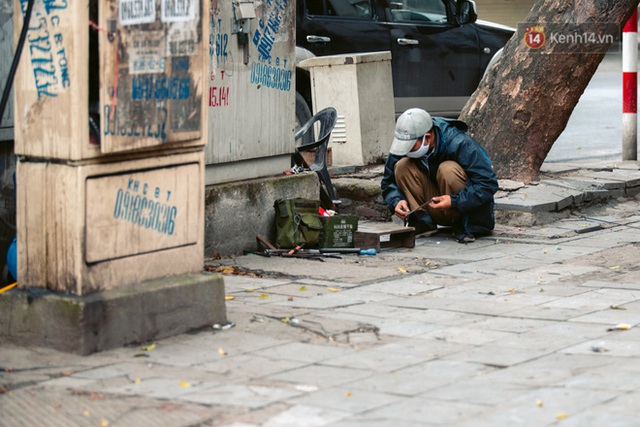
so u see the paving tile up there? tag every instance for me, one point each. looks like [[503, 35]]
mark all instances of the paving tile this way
[[597, 299], [303, 352], [542, 312], [620, 411], [206, 348], [553, 273], [553, 337], [320, 376], [419, 378], [407, 286], [509, 324], [600, 416], [296, 290], [548, 369], [430, 315], [557, 289], [481, 390], [404, 328], [346, 398], [372, 421], [303, 415], [332, 300], [249, 366], [609, 316], [110, 371], [390, 357], [610, 347], [252, 396], [240, 283], [492, 306], [326, 283], [427, 411], [493, 355], [470, 334], [600, 284], [539, 407], [609, 377], [164, 388]]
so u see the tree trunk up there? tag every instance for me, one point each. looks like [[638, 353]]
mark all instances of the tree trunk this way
[[525, 100]]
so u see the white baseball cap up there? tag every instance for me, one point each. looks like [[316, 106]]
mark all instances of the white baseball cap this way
[[411, 125]]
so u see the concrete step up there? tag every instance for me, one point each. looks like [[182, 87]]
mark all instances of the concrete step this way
[[562, 187]]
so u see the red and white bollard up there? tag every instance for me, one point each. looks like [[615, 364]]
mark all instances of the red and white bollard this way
[[630, 88]]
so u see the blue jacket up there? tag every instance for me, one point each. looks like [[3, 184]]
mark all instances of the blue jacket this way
[[475, 202]]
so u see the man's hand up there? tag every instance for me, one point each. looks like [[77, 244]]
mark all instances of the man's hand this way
[[440, 202], [402, 209]]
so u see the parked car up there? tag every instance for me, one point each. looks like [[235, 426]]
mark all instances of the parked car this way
[[439, 49]]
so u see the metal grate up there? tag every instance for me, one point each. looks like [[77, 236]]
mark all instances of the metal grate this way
[[339, 133]]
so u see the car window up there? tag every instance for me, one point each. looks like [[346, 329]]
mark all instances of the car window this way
[[418, 10], [349, 8]]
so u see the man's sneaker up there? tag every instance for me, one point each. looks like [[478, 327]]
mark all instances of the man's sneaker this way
[[462, 236]]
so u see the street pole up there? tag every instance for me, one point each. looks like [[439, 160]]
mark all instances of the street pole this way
[[630, 88]]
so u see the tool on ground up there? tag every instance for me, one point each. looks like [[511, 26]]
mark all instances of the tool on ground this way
[[261, 239], [358, 251], [296, 249]]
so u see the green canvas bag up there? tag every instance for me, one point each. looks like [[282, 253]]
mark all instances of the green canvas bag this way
[[297, 222]]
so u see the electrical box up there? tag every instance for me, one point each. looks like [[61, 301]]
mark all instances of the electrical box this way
[[360, 87], [110, 131], [113, 76], [251, 84]]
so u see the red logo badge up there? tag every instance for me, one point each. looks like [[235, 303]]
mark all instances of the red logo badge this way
[[534, 36]]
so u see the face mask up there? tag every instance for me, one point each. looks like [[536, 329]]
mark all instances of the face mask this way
[[424, 149]]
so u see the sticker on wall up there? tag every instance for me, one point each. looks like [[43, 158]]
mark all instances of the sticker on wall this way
[[147, 52], [134, 12], [178, 10], [182, 41]]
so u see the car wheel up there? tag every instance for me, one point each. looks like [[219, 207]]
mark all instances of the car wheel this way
[[494, 59]]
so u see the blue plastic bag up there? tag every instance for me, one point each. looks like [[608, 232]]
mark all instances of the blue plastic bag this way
[[12, 258]]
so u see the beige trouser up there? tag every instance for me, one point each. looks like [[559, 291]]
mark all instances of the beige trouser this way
[[419, 189]]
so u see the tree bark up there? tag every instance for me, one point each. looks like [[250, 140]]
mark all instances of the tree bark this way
[[524, 101]]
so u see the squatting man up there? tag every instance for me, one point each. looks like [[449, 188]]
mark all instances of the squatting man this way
[[437, 174]]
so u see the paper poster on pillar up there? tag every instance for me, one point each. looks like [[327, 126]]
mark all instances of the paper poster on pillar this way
[[151, 67]]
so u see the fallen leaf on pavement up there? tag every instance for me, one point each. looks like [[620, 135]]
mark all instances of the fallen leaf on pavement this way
[[229, 297], [150, 347], [221, 352]]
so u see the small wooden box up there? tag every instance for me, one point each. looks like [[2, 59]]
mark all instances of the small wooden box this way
[[92, 227], [384, 235]]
